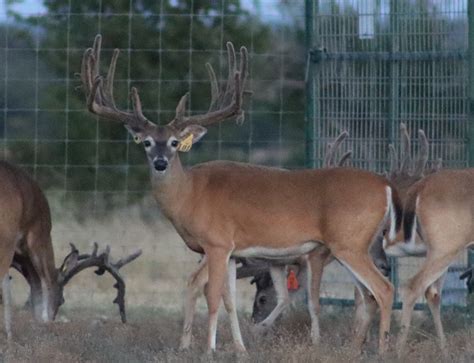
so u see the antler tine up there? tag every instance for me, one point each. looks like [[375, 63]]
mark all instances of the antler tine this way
[[335, 146], [181, 108], [422, 154], [99, 92], [405, 149], [393, 160], [123, 261], [95, 248], [223, 105], [327, 157], [331, 150], [346, 157], [214, 87], [109, 86], [231, 64]]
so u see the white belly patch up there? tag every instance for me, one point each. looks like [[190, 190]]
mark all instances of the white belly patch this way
[[269, 253]]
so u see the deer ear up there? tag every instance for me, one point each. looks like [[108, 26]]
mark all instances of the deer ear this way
[[196, 132]]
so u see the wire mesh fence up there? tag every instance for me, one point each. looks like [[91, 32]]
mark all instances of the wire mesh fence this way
[[165, 45], [383, 62], [375, 64]]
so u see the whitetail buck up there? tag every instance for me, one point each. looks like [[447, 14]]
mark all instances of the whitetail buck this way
[[25, 230], [437, 223], [402, 175], [440, 208], [272, 271], [228, 209]]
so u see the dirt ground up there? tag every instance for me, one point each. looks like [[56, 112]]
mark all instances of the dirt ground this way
[[153, 335]]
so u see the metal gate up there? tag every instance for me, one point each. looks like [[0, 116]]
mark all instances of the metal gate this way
[[375, 63]]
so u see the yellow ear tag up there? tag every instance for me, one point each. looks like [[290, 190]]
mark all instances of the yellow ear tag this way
[[186, 144], [137, 139]]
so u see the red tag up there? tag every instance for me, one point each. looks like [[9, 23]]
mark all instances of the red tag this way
[[292, 281]]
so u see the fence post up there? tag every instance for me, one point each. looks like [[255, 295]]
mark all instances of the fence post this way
[[393, 112], [470, 59], [310, 115]]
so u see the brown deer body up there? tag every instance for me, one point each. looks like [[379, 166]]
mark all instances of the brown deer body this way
[[25, 227], [25, 237], [272, 297], [440, 208], [228, 209]]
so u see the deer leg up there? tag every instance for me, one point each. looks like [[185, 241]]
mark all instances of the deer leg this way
[[365, 310], [362, 267], [315, 266], [229, 297], [5, 263], [194, 287], [432, 269], [217, 261], [433, 297], [278, 275], [7, 305], [42, 257]]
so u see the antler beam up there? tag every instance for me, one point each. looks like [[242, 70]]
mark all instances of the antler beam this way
[[75, 263]]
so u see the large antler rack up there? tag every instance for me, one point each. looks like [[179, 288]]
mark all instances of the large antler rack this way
[[223, 105], [407, 166], [100, 99], [75, 263], [100, 91]]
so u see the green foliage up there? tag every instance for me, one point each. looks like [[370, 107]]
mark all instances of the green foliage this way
[[164, 47]]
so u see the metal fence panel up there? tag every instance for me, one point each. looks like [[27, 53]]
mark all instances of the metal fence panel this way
[[374, 64]]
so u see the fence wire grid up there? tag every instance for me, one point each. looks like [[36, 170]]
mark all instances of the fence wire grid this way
[[377, 63], [353, 83], [165, 45]]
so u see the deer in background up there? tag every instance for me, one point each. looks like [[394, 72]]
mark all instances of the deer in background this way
[[266, 296], [25, 231], [227, 209], [437, 223]]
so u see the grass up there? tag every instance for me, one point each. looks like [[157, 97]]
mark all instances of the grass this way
[[89, 329], [153, 334]]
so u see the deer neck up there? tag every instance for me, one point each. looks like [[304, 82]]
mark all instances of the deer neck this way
[[172, 190]]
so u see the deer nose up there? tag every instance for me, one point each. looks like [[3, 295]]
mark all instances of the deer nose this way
[[160, 164]]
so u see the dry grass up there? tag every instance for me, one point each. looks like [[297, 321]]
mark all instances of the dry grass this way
[[155, 286], [152, 335]]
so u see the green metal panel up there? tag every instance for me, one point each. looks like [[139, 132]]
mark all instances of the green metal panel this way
[[310, 9], [470, 12], [381, 62]]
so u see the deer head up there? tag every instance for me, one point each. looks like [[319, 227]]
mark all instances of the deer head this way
[[162, 143]]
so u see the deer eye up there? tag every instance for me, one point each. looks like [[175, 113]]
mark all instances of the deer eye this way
[[147, 143], [262, 300], [174, 143]]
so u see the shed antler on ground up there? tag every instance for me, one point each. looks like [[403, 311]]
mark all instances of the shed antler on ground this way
[[75, 262]]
